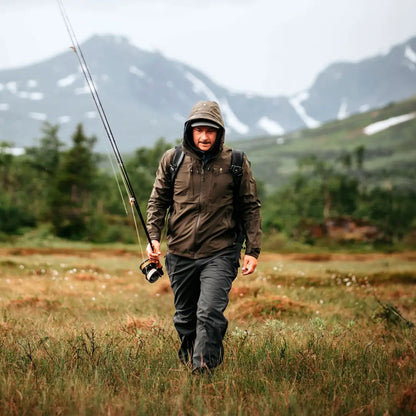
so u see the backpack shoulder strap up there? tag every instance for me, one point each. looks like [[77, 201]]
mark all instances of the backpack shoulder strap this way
[[176, 163], [236, 170], [236, 167]]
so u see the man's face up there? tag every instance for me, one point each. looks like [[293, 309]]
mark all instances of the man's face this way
[[204, 137]]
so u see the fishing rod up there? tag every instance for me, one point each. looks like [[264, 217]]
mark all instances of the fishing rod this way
[[152, 271]]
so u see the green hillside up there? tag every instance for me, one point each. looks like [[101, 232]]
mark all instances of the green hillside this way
[[389, 155]]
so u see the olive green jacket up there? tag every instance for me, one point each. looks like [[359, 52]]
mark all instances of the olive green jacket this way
[[201, 218]]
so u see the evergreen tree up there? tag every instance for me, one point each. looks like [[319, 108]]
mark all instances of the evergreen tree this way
[[6, 161], [15, 206], [71, 203], [45, 157], [43, 161]]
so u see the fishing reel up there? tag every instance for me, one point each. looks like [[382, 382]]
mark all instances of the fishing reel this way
[[151, 271]]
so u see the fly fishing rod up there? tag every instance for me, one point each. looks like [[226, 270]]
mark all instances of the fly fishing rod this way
[[152, 271]]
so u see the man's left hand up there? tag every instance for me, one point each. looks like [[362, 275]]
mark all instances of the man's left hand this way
[[249, 265]]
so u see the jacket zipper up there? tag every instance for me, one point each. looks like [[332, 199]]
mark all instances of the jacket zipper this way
[[198, 220]]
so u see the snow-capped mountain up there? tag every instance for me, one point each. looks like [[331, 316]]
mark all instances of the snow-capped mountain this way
[[344, 89], [147, 96]]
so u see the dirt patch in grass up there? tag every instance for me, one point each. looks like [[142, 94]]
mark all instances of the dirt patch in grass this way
[[8, 263], [35, 302], [163, 289], [404, 278], [238, 292], [133, 324], [266, 307], [84, 277]]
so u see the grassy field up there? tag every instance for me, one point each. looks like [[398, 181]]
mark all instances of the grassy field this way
[[82, 333]]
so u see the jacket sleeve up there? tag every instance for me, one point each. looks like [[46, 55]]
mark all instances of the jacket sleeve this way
[[160, 198], [250, 210]]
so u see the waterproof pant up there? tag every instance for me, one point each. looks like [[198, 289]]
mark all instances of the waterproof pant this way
[[201, 288]]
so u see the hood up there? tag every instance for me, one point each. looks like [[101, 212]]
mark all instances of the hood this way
[[205, 110]]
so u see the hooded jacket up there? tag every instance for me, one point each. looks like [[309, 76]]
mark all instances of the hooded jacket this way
[[202, 217]]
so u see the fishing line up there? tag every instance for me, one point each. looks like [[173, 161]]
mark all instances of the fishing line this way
[[137, 229], [117, 181], [152, 271]]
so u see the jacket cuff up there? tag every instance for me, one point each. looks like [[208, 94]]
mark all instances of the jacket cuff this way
[[253, 252]]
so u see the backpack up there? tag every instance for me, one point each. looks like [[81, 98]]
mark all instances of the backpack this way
[[236, 169]]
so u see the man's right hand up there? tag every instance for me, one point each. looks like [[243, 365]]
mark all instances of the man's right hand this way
[[155, 253]]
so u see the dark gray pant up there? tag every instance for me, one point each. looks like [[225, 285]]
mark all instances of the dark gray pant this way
[[201, 289]]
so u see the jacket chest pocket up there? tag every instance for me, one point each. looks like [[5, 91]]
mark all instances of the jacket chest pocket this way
[[184, 183], [220, 185]]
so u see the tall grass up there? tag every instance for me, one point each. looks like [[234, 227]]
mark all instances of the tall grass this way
[[86, 335]]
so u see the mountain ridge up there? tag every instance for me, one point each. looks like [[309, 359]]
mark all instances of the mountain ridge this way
[[147, 96], [385, 135]]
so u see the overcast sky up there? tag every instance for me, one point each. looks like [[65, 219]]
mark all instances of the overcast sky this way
[[268, 47]]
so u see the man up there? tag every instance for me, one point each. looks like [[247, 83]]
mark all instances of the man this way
[[203, 233]]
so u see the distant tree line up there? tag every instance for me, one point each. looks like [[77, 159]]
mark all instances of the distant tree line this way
[[322, 190], [74, 192]]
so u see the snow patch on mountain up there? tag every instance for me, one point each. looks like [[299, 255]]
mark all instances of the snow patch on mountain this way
[[270, 126], [11, 86], [233, 122], [296, 103], [342, 112], [199, 87], [32, 83], [38, 116], [410, 54], [91, 114], [67, 81], [82, 90], [231, 118], [15, 151], [34, 96], [64, 119], [385, 124], [136, 71]]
